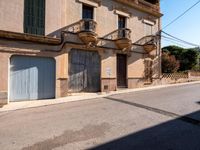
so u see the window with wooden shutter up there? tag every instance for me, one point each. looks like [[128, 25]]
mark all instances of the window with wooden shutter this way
[[148, 29], [34, 17]]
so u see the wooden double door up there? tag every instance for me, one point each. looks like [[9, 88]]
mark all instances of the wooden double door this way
[[121, 70], [84, 71]]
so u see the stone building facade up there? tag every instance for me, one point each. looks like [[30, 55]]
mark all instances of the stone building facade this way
[[49, 49]]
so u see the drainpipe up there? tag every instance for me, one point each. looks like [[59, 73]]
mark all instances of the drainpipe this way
[[34, 39], [60, 44]]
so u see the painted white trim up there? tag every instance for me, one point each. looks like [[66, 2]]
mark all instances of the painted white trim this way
[[8, 90], [148, 22], [95, 14], [122, 13], [89, 2]]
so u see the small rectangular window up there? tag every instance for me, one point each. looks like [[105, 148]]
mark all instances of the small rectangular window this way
[[34, 17], [88, 12], [121, 22]]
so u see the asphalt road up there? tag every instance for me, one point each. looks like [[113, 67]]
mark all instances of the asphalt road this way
[[161, 119]]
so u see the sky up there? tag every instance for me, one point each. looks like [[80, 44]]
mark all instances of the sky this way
[[187, 27]]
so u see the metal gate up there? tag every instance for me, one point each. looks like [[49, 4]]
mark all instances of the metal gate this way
[[84, 71], [32, 78]]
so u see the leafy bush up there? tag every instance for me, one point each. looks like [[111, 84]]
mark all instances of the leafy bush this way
[[169, 63]]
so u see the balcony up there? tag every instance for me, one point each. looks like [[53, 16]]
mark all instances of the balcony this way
[[154, 2], [87, 32], [123, 39], [153, 5], [150, 44], [150, 47], [149, 6]]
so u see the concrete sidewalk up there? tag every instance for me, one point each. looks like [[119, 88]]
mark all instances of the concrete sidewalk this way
[[12, 106]]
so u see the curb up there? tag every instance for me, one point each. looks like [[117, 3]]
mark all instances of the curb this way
[[13, 106]]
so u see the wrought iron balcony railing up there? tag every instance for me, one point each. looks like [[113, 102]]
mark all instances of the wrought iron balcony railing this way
[[154, 2], [123, 40], [87, 31], [123, 33], [149, 4], [88, 25], [147, 40]]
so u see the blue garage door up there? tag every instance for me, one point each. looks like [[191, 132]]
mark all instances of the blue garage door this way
[[32, 78]]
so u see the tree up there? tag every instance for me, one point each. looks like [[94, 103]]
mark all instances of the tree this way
[[188, 58], [169, 63]]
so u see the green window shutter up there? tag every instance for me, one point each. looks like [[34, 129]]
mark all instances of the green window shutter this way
[[34, 17]]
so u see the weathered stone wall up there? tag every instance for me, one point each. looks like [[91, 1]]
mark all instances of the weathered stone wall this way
[[64, 14], [106, 15], [61, 14], [12, 15], [12, 20]]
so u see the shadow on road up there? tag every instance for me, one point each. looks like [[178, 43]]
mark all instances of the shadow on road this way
[[181, 133]]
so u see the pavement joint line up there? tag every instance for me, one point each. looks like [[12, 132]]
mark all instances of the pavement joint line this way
[[13, 106], [159, 111]]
